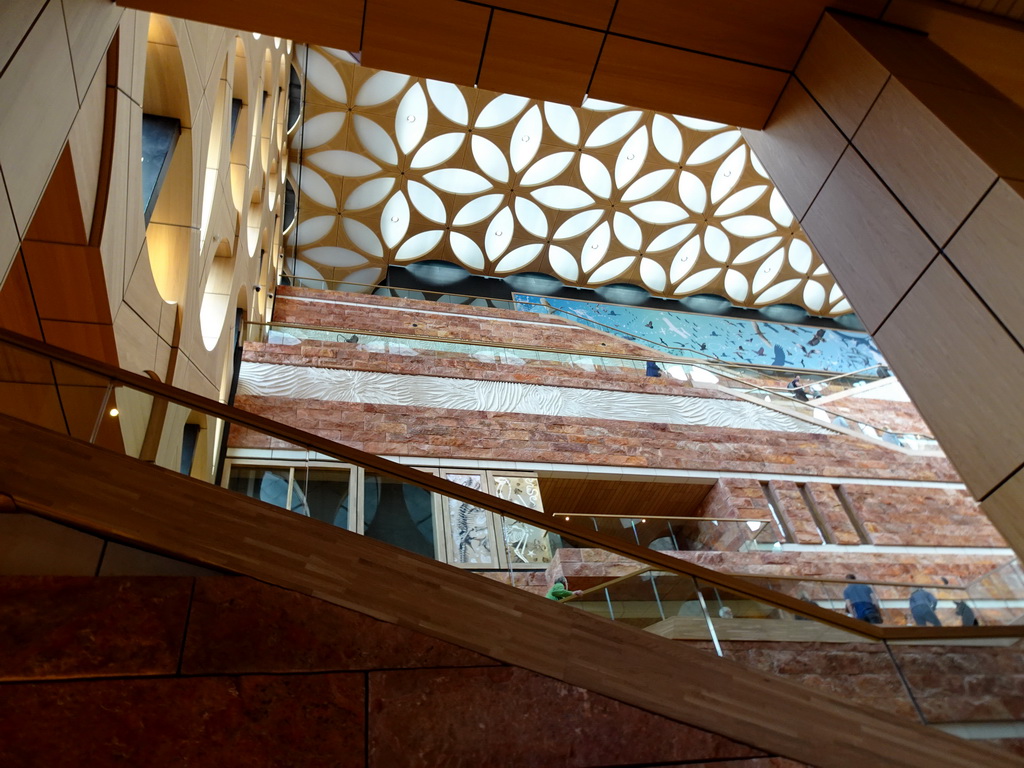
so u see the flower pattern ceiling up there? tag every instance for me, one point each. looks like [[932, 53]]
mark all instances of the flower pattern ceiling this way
[[392, 169]]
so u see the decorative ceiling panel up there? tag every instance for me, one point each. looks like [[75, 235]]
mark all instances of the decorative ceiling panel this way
[[392, 169]]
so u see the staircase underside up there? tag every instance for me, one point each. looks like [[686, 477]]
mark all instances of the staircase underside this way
[[119, 497]]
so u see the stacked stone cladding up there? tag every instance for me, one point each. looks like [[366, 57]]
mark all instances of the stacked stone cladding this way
[[376, 314], [894, 415], [486, 435]]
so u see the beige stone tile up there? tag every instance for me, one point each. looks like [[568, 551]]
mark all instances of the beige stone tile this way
[[91, 25], [18, 16], [136, 341], [987, 251], [31, 546], [799, 146], [963, 371], [933, 173], [1005, 508], [34, 128], [870, 244], [841, 75], [143, 297], [112, 244], [9, 237], [86, 142]]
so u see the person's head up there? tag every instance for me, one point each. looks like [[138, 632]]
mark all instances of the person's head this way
[[796, 378], [561, 580], [851, 576]]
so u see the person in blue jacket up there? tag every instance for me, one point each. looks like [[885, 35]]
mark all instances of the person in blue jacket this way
[[922, 608], [861, 602]]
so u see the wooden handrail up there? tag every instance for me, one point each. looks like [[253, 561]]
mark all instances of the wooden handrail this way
[[477, 498]]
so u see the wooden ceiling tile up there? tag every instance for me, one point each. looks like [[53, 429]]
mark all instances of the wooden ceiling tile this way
[[17, 309], [800, 145], [59, 216], [841, 75], [857, 226], [669, 80], [933, 173], [770, 33], [93, 340], [594, 13], [987, 250], [440, 39], [67, 282], [37, 402], [558, 67], [336, 24]]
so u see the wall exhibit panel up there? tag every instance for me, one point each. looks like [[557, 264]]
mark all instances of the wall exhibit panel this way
[[656, 77], [570, 51], [987, 252], [874, 248], [933, 173], [800, 145], [982, 430], [39, 100], [841, 76]]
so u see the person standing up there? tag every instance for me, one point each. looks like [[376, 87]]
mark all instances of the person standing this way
[[798, 389], [560, 590], [922, 608], [861, 602]]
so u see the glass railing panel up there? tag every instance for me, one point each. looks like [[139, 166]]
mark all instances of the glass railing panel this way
[[827, 658], [683, 534], [665, 604], [963, 680], [997, 597]]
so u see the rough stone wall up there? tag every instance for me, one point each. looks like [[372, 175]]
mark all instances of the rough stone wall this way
[[923, 516], [453, 433], [901, 417], [164, 671], [614, 375], [375, 314]]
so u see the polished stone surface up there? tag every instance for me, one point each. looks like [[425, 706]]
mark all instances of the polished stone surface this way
[[242, 625], [65, 627], [512, 717], [293, 721]]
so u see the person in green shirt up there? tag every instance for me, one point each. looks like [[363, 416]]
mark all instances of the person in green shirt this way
[[560, 590]]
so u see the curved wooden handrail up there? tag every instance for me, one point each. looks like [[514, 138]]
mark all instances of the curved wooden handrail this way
[[547, 521]]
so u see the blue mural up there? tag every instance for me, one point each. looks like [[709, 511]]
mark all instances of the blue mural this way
[[738, 341]]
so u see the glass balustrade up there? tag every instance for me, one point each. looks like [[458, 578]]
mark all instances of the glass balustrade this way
[[620, 564], [389, 354]]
